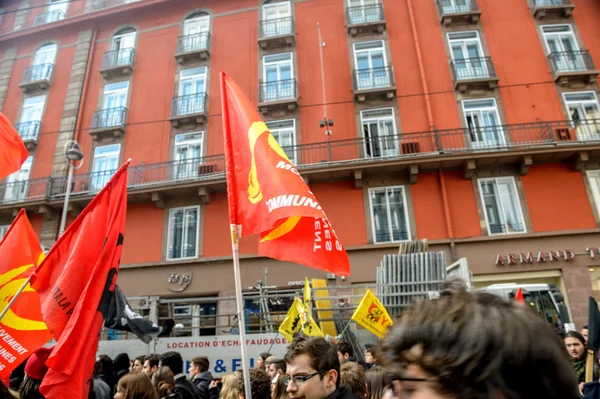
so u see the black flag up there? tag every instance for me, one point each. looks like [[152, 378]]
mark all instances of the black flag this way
[[121, 317], [593, 325]]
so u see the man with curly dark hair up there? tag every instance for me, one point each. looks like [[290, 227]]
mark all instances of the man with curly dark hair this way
[[260, 384]]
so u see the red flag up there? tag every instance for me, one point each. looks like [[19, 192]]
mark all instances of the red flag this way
[[519, 296], [12, 150], [76, 282], [22, 328], [267, 195]]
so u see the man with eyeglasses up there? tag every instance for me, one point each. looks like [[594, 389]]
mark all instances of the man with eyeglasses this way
[[313, 370]]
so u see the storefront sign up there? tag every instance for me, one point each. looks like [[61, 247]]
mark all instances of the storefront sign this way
[[542, 257], [295, 283], [179, 282]]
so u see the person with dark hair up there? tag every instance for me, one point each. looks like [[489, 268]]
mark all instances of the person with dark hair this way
[[185, 388], [121, 366], [275, 367], [352, 377], [584, 333], [150, 364], [576, 347], [261, 359], [135, 386], [106, 372], [164, 382], [345, 352], [138, 364], [313, 370], [101, 388], [17, 376], [5, 392], [370, 356], [476, 345], [376, 382], [35, 371], [200, 375], [260, 384]]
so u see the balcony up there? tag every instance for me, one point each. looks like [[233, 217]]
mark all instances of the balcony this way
[[278, 95], [23, 192], [118, 63], [457, 12], [374, 84], [37, 77], [276, 33], [49, 17], [573, 67], [190, 109], [29, 132], [193, 48], [365, 19], [109, 123], [474, 74], [542, 9]]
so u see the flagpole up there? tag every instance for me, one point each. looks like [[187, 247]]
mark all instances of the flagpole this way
[[14, 298], [240, 310]]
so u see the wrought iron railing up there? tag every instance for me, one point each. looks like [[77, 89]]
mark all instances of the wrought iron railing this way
[[118, 58], [365, 14], [365, 79], [111, 117], [29, 131], [497, 139], [24, 190], [48, 17], [195, 42], [276, 27], [550, 3], [277, 90], [571, 61], [449, 7], [37, 72], [190, 104], [472, 68]]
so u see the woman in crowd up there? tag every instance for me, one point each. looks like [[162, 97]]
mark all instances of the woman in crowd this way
[[230, 387], [35, 371], [376, 382], [135, 386], [164, 381], [261, 359], [278, 388]]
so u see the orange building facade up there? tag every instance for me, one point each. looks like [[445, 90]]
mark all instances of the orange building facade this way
[[474, 124]]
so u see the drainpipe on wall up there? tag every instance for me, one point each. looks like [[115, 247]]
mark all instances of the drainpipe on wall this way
[[88, 66], [425, 88]]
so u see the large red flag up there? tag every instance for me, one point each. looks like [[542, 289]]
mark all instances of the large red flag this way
[[76, 282], [12, 150], [267, 195], [22, 328]]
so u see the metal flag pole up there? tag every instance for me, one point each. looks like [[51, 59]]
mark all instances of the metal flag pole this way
[[240, 309], [14, 298], [325, 120]]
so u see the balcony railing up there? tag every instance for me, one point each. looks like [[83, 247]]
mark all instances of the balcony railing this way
[[276, 27], [118, 58], [48, 17], [365, 14], [450, 7], [195, 42], [550, 3], [111, 117], [28, 130], [571, 61], [366, 79], [473, 68], [188, 105], [278, 90], [24, 190], [38, 72]]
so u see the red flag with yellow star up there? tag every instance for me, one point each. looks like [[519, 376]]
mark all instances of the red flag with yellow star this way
[[267, 195], [22, 329]]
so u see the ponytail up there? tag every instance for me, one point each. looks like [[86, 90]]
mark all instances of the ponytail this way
[[164, 389]]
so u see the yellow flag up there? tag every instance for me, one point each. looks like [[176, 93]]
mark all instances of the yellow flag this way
[[298, 319], [372, 315], [306, 293]]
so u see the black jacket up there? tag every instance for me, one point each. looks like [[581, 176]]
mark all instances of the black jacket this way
[[342, 393], [185, 388], [202, 381]]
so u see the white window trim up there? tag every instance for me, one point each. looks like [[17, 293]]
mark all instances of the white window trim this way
[[265, 7], [120, 36], [567, 102], [476, 38], [595, 174], [571, 32], [24, 106], [392, 117], [404, 202], [170, 232], [385, 63], [265, 64], [295, 141], [3, 230], [186, 142], [182, 79], [105, 92], [487, 222], [46, 49]]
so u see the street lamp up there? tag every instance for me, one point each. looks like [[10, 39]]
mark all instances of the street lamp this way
[[73, 154]]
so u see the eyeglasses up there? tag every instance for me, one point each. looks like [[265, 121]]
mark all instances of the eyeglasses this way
[[299, 380], [403, 391]]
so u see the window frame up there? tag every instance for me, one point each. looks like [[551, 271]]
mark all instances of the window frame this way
[[3, 230], [594, 188], [383, 50], [115, 44], [521, 214], [406, 213], [265, 64], [294, 158], [265, 7], [571, 32], [191, 78], [170, 233], [392, 117], [106, 92], [33, 105]]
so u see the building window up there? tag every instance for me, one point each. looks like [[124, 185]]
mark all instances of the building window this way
[[113, 105], [363, 11], [594, 180], [371, 65], [278, 74], [563, 49], [285, 134], [57, 11], [503, 213], [32, 111], [122, 48], [4, 228], [192, 88], [389, 214], [188, 151], [483, 123], [43, 63], [277, 19], [467, 55], [379, 130], [584, 111], [17, 184], [124, 39], [195, 32], [183, 233], [105, 164]]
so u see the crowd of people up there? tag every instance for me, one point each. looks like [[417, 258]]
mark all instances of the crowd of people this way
[[460, 345]]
